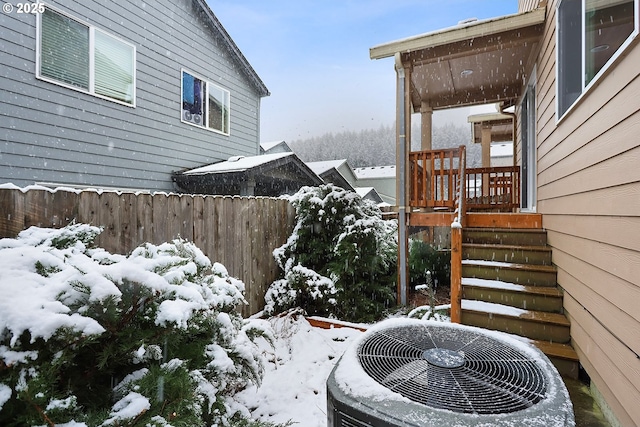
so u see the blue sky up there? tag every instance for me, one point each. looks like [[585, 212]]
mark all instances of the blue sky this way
[[313, 55]]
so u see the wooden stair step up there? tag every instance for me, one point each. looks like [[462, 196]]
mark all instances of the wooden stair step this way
[[522, 274], [517, 220], [555, 349], [563, 357], [539, 298], [510, 265], [550, 291], [537, 325], [512, 247], [529, 254], [508, 311], [505, 236]]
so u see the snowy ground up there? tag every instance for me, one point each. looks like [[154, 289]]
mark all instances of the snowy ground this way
[[293, 388]]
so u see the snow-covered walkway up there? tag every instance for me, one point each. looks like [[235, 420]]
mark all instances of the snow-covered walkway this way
[[293, 388]]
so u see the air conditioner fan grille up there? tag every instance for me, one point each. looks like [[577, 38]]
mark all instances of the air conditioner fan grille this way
[[459, 370]]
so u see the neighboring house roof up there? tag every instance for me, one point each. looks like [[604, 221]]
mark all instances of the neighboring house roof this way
[[382, 178], [369, 193], [376, 172], [502, 150], [264, 175], [337, 172], [275, 147], [341, 166], [233, 48]]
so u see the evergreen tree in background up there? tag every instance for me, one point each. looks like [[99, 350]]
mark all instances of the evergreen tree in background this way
[[377, 147], [339, 260]]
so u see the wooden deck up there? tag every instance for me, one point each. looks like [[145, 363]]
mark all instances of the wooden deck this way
[[435, 182], [476, 219]]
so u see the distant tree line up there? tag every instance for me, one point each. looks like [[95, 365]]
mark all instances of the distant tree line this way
[[377, 147]]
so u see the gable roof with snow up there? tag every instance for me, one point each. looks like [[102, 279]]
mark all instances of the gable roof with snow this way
[[341, 166], [275, 147], [376, 172], [369, 193], [263, 175], [337, 172]]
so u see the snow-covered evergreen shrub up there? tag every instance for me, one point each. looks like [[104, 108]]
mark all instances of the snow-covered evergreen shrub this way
[[90, 338], [340, 259]]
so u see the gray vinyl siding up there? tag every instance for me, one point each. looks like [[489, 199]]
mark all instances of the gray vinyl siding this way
[[50, 133]]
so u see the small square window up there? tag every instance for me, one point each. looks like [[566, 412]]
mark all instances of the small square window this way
[[204, 104]]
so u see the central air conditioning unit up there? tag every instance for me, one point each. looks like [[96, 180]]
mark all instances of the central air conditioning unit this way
[[188, 116], [412, 373]]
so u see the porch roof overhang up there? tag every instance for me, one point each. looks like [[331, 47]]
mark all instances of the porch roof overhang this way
[[478, 62]]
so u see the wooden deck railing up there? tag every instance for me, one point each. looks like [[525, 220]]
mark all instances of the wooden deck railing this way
[[440, 179], [434, 182], [493, 188]]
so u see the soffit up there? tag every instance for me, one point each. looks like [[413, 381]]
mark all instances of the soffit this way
[[498, 51]]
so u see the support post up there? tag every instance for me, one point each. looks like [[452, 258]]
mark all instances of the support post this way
[[426, 124], [426, 138], [402, 154], [456, 242], [486, 159], [456, 273]]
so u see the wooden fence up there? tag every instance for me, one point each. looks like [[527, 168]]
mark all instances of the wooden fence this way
[[238, 232]]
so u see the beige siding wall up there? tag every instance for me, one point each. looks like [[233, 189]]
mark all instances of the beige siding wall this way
[[589, 195], [527, 5]]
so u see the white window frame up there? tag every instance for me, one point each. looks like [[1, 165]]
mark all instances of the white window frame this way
[[585, 88], [91, 53], [209, 84]]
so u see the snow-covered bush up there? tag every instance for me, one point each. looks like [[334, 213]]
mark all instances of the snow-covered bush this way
[[340, 259], [90, 338]]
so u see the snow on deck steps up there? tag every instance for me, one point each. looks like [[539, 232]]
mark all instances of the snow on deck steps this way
[[507, 286], [506, 310], [537, 325], [524, 254], [524, 274], [540, 298]]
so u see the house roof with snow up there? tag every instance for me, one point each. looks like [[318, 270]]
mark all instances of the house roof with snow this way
[[264, 175], [369, 193], [275, 147], [376, 172], [337, 172], [502, 150]]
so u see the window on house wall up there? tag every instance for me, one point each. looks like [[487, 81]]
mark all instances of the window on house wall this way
[[590, 35], [204, 104], [79, 56]]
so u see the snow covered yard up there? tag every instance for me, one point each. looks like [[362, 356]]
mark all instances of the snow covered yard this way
[[293, 388]]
